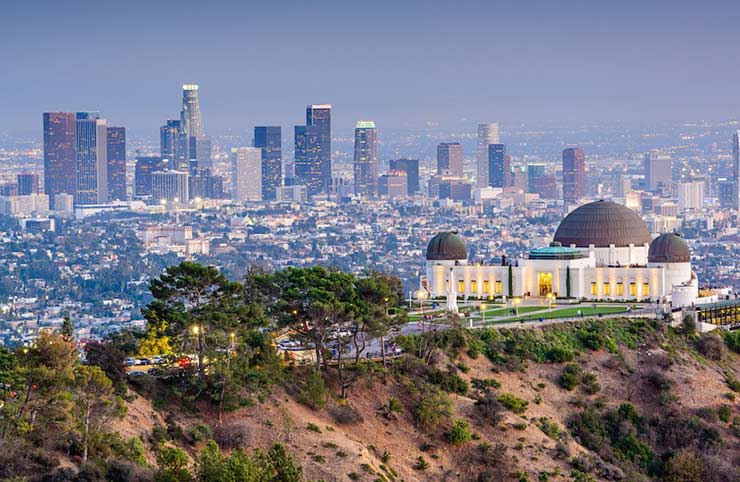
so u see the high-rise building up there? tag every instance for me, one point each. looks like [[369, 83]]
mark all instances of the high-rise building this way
[[312, 163], [540, 182], [411, 168], [60, 153], [92, 159], [200, 152], [269, 139], [393, 184], [190, 116], [736, 155], [658, 170], [28, 183], [170, 186], [145, 167], [487, 134], [450, 159], [116, 139], [246, 174], [727, 192], [498, 165], [366, 159], [574, 174], [173, 144], [691, 195], [203, 184]]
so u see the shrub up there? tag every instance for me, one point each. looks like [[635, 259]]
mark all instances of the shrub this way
[[559, 354], [312, 392], [449, 382], [712, 347], [421, 463], [724, 412], [590, 383], [549, 428], [346, 415], [459, 433], [513, 403], [684, 465], [431, 406], [490, 408], [201, 432], [570, 377], [688, 325], [232, 435], [732, 339]]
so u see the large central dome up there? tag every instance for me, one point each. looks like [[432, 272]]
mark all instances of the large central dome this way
[[602, 223]]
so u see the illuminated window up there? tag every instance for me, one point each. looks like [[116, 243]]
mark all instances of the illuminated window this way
[[461, 286], [645, 289], [607, 289], [544, 282], [499, 287], [594, 289], [620, 289], [633, 289], [486, 286], [474, 286]]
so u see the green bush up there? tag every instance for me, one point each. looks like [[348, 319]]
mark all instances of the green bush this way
[[571, 376], [732, 339], [549, 428], [431, 406], [459, 433], [449, 382], [724, 412], [312, 393], [513, 403], [201, 432]]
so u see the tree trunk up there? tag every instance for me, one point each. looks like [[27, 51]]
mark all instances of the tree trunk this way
[[86, 435], [382, 354]]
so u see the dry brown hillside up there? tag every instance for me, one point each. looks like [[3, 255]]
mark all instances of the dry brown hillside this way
[[688, 414]]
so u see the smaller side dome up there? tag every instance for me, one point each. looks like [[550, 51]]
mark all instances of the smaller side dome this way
[[669, 248], [447, 246]]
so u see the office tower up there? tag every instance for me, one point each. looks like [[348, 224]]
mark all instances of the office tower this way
[[246, 174], [173, 144], [498, 165], [190, 117], [487, 134], [295, 194], [574, 174], [200, 152], [366, 159], [204, 184], [269, 139], [691, 195], [623, 186], [116, 139], [540, 182], [455, 189], [393, 184], [28, 183], [312, 163], [9, 189], [450, 159], [92, 159], [60, 153], [727, 192], [411, 168], [145, 167], [170, 186], [658, 170], [736, 155]]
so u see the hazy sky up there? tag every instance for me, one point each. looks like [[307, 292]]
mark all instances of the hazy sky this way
[[401, 63]]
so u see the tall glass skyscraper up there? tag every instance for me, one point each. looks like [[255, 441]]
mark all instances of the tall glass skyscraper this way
[[312, 163], [487, 134], [116, 140], [366, 159], [173, 144], [269, 139], [450, 159], [574, 174], [192, 122], [498, 165], [60, 153], [92, 159]]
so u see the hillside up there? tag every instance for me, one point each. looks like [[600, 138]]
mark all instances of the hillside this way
[[689, 418]]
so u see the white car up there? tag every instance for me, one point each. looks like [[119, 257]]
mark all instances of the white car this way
[[157, 360], [130, 361]]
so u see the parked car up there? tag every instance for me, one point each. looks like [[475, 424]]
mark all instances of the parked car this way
[[130, 361], [157, 360]]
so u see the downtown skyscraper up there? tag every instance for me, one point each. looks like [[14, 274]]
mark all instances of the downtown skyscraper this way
[[60, 153], [312, 165], [269, 139], [198, 145], [498, 166], [574, 174], [92, 159], [116, 154], [173, 144], [450, 159], [246, 174], [487, 134], [366, 159]]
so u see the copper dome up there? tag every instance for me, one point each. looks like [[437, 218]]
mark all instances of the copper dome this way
[[602, 223], [669, 248], [446, 246]]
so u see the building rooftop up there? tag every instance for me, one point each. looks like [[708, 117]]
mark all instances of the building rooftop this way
[[602, 223]]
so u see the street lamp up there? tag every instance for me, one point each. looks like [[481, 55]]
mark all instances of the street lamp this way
[[483, 312], [195, 329], [550, 298]]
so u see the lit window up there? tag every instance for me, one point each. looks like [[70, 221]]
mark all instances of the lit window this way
[[486, 286], [499, 287], [461, 286], [633, 289], [645, 289], [620, 289], [607, 289], [474, 286], [594, 289]]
